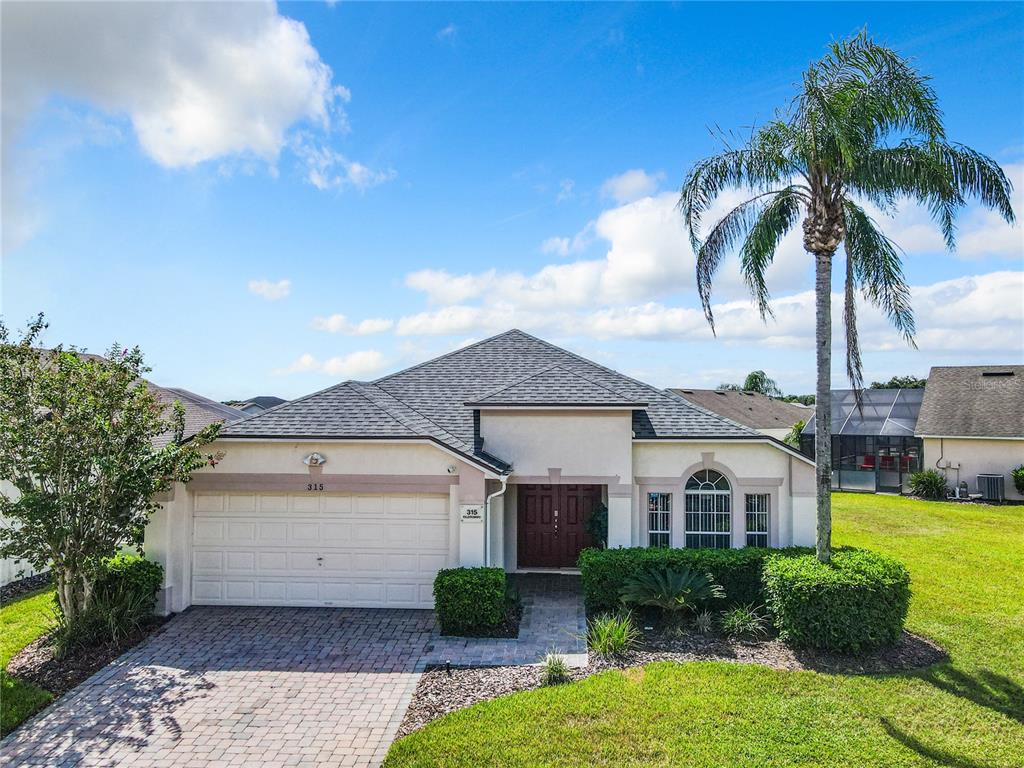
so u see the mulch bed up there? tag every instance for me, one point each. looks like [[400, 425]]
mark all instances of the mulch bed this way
[[22, 587], [441, 691], [36, 663]]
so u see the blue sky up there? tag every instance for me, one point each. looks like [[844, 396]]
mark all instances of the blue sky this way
[[269, 199]]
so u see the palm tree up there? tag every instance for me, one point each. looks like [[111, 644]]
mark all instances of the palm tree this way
[[865, 126], [756, 381]]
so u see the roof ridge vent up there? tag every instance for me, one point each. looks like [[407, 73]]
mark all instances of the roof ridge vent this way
[[997, 373]]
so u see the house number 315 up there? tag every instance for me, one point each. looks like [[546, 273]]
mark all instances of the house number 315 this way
[[314, 486]]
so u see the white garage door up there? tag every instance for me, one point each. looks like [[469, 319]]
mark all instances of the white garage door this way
[[364, 550]]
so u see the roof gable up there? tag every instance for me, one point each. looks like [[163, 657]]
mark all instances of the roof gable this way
[[556, 386]]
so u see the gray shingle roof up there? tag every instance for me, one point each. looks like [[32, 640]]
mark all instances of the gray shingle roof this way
[[750, 408], [973, 401], [557, 386], [200, 412], [429, 399]]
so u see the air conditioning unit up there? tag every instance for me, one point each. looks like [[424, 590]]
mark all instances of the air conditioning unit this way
[[991, 487]]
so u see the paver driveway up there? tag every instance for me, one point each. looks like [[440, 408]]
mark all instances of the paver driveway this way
[[225, 687]]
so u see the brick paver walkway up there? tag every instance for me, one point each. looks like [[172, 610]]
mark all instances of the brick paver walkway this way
[[553, 622], [220, 687], [276, 687]]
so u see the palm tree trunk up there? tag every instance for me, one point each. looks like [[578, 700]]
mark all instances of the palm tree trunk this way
[[823, 403]]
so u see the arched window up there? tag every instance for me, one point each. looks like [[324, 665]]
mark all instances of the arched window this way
[[708, 510]]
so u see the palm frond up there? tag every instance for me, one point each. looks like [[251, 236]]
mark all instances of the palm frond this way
[[877, 269], [854, 364], [777, 217]]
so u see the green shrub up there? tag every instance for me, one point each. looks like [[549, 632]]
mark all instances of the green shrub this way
[[604, 572], [470, 601], [704, 623], [612, 634], [745, 622], [1018, 479], [928, 484], [555, 670], [856, 603], [673, 591], [124, 597]]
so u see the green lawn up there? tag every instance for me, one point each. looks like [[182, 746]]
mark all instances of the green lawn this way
[[21, 622], [967, 565]]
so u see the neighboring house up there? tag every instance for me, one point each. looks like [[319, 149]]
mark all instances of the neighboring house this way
[[972, 424], [874, 448], [256, 404], [200, 412], [495, 454], [765, 414]]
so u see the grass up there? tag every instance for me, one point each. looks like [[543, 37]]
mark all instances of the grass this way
[[967, 566], [22, 621]]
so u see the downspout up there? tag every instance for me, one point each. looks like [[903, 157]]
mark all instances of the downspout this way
[[487, 518]]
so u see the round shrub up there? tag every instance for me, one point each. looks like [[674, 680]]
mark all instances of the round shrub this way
[[470, 601], [856, 603], [928, 484]]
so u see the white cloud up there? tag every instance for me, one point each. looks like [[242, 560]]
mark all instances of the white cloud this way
[[448, 33], [965, 314], [327, 168], [270, 291], [631, 185], [196, 81], [565, 190], [341, 324], [355, 365]]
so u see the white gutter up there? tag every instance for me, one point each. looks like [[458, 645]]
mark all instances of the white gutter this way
[[487, 518]]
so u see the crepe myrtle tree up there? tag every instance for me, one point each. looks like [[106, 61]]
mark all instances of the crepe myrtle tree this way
[[864, 127], [77, 445]]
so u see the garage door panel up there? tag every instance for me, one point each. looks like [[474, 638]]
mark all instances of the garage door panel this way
[[373, 550], [240, 533], [241, 562], [304, 533], [208, 532], [305, 503], [272, 533], [270, 562]]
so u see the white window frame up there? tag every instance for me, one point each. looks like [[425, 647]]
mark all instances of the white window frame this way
[[659, 519], [710, 506], [757, 506]]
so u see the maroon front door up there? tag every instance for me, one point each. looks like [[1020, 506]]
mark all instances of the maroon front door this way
[[551, 523]]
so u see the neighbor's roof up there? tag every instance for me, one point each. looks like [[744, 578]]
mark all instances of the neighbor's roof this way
[[750, 408], [200, 412], [889, 412], [973, 401], [430, 400], [261, 401]]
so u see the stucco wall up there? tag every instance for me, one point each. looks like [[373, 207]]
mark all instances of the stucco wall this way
[[750, 468], [975, 457], [580, 443]]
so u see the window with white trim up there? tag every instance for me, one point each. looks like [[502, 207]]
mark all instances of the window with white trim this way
[[757, 507], [708, 510], [659, 519]]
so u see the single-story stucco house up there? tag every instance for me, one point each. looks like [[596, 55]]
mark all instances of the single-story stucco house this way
[[768, 415], [496, 454], [972, 425]]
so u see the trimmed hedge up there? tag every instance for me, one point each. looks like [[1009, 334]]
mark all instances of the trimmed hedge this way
[[470, 601], [856, 603], [605, 571], [125, 574]]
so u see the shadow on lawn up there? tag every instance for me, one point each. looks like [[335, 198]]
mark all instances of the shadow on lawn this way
[[939, 756], [985, 688]]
